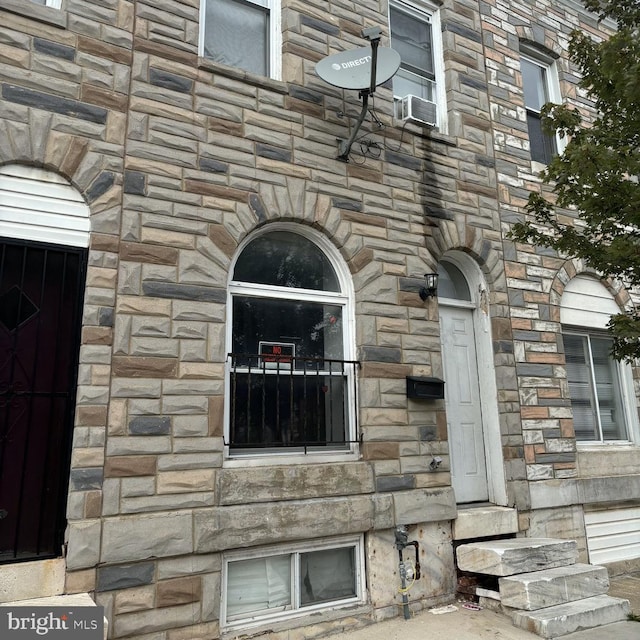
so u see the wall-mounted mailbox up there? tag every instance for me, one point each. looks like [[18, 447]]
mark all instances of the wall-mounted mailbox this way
[[422, 388]]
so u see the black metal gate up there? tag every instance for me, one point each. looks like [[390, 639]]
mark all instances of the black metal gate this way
[[41, 294]]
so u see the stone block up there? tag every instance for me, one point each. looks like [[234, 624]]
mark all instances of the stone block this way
[[562, 619], [299, 482], [259, 524], [549, 587], [26, 580], [125, 576], [519, 555], [136, 599], [84, 544], [146, 536], [483, 522], [424, 505], [177, 591], [141, 622]]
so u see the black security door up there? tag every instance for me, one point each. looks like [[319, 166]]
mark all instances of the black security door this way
[[41, 291]]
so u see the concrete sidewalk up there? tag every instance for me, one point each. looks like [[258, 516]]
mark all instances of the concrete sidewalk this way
[[465, 624]]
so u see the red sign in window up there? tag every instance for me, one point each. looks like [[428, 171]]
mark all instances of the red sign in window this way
[[276, 354]]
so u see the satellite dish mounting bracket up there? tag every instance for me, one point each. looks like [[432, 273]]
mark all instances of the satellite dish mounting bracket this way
[[373, 34]]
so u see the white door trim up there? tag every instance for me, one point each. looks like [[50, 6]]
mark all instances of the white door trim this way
[[496, 478]]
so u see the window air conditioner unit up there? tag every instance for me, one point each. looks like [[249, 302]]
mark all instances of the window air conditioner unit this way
[[418, 110]]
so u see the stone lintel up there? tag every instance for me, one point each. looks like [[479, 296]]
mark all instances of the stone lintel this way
[[299, 482], [270, 523]]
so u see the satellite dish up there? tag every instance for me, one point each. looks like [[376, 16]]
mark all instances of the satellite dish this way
[[352, 69]]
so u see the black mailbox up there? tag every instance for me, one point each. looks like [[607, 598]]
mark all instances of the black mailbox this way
[[422, 388]]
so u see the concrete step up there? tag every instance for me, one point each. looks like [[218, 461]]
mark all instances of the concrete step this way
[[562, 619], [484, 521], [516, 555], [538, 589]]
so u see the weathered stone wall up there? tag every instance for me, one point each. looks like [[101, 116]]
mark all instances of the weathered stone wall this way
[[64, 81], [180, 159], [536, 278]]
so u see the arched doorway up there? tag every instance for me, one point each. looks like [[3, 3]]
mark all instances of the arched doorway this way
[[44, 226], [477, 471]]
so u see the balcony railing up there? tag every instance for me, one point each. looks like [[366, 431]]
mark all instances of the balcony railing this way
[[288, 402]]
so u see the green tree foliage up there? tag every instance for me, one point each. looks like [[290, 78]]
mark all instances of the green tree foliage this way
[[596, 179]]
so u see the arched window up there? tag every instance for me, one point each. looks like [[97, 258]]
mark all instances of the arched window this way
[[597, 383], [291, 382]]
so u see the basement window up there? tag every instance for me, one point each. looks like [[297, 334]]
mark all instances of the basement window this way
[[273, 584]]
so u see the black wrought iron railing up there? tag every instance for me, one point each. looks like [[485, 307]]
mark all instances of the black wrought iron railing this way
[[288, 402]]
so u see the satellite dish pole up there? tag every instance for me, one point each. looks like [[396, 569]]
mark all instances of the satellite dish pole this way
[[363, 69], [373, 34]]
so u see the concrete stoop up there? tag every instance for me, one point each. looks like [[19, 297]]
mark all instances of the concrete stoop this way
[[542, 587]]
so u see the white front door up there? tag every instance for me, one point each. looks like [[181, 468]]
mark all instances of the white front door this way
[[462, 400]]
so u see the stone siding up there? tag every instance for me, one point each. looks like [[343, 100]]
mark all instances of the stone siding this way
[[179, 160]]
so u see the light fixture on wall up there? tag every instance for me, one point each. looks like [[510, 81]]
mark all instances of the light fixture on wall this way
[[430, 287], [436, 461]]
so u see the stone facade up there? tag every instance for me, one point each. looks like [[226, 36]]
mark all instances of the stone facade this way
[[179, 160]]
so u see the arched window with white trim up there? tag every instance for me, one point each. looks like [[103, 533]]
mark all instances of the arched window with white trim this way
[[291, 374], [599, 386]]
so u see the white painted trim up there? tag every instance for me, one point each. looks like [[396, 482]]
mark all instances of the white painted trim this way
[[275, 33], [430, 12], [345, 298], [496, 478], [550, 66], [586, 306], [40, 205], [586, 302]]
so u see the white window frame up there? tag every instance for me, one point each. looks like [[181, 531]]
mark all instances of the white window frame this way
[[622, 390], [428, 12], [275, 33], [585, 309], [54, 4], [552, 86], [356, 542], [345, 298]]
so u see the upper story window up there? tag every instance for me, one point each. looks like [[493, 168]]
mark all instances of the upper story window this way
[[415, 35], [244, 34], [540, 85], [600, 388], [291, 380]]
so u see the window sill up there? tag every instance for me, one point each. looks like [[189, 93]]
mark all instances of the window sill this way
[[243, 76], [235, 461], [291, 620], [40, 13], [604, 446]]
